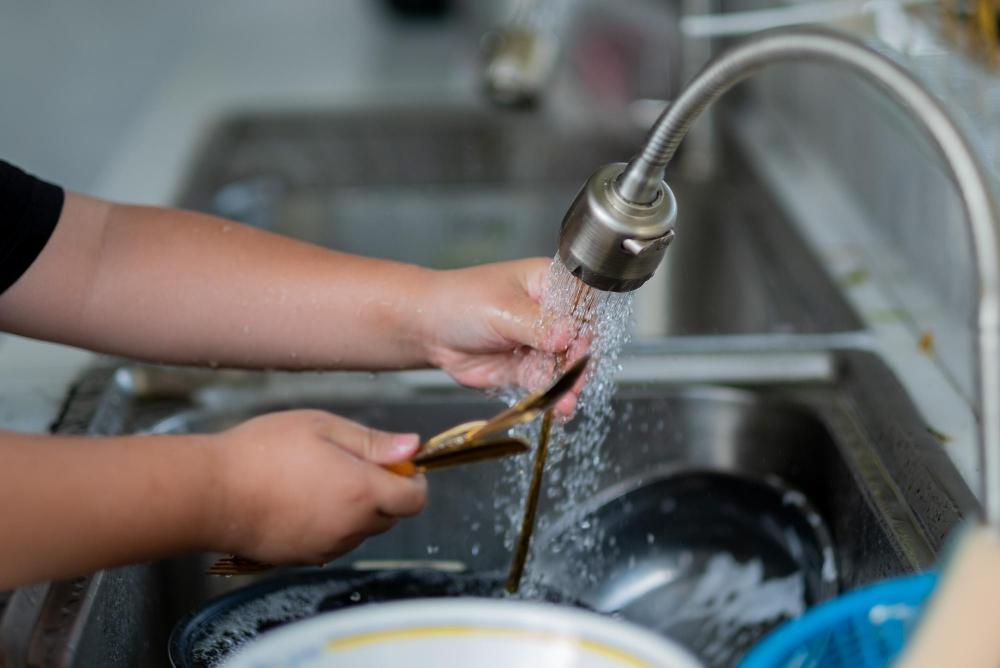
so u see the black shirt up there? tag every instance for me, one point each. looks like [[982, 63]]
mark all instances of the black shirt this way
[[29, 211]]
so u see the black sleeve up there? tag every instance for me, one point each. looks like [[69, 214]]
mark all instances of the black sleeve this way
[[29, 211]]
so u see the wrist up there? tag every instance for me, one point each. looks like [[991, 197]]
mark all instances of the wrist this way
[[218, 527], [422, 322]]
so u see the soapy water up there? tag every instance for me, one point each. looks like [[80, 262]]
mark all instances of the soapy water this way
[[231, 627], [599, 323], [220, 640], [727, 608]]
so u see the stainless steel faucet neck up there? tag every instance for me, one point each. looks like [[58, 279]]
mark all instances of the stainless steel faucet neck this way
[[639, 181]]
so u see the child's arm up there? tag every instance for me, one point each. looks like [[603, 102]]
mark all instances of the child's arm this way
[[293, 487], [183, 288]]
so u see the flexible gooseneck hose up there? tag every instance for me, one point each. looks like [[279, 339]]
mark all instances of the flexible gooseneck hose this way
[[640, 181]]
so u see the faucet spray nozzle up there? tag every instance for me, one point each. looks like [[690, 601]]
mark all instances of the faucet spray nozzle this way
[[611, 243]]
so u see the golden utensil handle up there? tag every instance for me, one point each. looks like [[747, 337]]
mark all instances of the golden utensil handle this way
[[406, 468]]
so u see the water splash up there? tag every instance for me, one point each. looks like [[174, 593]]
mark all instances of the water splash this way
[[726, 609], [599, 323]]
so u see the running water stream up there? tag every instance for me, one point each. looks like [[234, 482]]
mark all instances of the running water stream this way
[[599, 322]]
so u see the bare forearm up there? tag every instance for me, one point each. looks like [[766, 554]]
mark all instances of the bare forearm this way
[[177, 287], [74, 505]]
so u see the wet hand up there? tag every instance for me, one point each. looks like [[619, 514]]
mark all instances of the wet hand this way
[[483, 328], [305, 487]]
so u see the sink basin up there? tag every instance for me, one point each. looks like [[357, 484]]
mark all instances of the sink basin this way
[[889, 502], [449, 187]]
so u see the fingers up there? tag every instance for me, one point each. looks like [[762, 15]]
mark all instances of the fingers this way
[[379, 525], [518, 322], [373, 445], [398, 496], [567, 404], [388, 494], [319, 494], [340, 546], [520, 325], [535, 276], [393, 495], [531, 370]]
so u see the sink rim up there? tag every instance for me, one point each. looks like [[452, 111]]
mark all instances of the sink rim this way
[[698, 392]]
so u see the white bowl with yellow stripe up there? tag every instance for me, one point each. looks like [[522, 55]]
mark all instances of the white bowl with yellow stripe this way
[[462, 633]]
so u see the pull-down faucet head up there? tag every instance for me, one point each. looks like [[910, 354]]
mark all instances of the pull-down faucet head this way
[[611, 243]]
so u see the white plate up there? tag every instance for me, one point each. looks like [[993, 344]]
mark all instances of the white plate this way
[[465, 633]]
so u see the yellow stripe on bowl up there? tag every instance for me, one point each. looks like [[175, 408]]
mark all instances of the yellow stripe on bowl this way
[[353, 642]]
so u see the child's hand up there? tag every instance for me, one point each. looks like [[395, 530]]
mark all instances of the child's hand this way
[[484, 323], [305, 487]]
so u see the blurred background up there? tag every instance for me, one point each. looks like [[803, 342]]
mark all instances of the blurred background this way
[[820, 277], [81, 80], [79, 76]]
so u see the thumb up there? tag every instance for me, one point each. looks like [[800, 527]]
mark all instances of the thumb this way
[[374, 445]]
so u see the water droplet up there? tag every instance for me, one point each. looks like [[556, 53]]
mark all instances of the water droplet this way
[[356, 596], [475, 549], [433, 549], [650, 539], [602, 319]]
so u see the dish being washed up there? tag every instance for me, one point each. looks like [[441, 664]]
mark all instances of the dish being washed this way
[[460, 634]]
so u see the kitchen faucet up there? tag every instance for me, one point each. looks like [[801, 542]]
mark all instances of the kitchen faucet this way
[[524, 53], [618, 228]]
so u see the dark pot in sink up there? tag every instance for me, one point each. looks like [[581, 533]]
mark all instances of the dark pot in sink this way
[[207, 636]]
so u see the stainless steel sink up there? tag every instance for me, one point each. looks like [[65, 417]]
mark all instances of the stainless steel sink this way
[[852, 445], [449, 187]]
